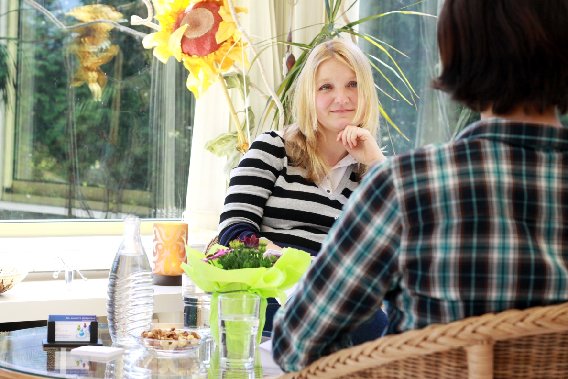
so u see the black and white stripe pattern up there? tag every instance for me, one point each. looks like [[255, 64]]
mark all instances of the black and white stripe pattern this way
[[276, 201]]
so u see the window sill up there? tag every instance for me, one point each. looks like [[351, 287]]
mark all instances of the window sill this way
[[36, 300], [81, 252]]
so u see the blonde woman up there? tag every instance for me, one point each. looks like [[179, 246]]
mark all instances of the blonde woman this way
[[290, 187]]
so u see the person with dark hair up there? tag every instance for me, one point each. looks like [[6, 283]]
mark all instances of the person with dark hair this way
[[476, 225]]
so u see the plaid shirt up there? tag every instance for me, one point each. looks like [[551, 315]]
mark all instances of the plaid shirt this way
[[446, 232]]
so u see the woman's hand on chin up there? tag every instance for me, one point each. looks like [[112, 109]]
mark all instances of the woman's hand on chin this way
[[361, 145]]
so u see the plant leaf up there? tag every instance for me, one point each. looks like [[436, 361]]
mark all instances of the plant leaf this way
[[380, 47], [232, 80], [390, 83], [223, 144], [390, 121], [379, 15]]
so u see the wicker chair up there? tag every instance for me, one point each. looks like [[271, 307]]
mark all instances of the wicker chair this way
[[531, 343]]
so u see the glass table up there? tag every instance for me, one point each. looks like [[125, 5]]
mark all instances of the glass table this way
[[23, 356]]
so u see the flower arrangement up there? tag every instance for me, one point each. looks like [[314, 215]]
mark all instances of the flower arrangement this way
[[245, 266], [247, 253], [203, 35]]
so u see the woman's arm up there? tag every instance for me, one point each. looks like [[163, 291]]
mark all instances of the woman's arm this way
[[250, 186], [361, 145]]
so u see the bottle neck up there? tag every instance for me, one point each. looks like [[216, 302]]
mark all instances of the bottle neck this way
[[131, 241]]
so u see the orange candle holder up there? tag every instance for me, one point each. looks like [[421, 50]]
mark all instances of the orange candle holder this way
[[170, 239]]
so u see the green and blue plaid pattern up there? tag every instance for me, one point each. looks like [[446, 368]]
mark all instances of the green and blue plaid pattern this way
[[445, 232]]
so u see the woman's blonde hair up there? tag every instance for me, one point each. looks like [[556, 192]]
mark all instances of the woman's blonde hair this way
[[301, 137]]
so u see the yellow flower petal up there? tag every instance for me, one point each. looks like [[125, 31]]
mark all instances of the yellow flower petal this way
[[199, 82], [168, 13], [229, 53], [203, 71], [225, 13], [162, 53], [204, 65], [158, 41], [174, 42], [225, 31], [227, 8], [160, 6], [227, 27], [226, 63], [151, 40]]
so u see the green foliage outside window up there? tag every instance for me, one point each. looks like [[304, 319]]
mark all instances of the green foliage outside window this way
[[62, 112], [66, 136]]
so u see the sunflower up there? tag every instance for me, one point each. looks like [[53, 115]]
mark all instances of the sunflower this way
[[200, 33]]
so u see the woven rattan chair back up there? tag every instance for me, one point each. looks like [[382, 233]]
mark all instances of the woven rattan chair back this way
[[531, 343]]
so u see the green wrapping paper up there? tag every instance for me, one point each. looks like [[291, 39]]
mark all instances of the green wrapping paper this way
[[266, 282]]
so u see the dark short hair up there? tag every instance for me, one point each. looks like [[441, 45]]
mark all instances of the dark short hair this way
[[504, 53]]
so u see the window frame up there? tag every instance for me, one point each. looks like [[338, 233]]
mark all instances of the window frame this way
[[77, 227]]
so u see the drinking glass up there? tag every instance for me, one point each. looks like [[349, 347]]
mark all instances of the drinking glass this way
[[197, 306], [238, 329]]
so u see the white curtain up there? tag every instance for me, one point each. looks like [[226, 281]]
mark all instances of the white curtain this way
[[265, 20], [206, 182], [437, 112]]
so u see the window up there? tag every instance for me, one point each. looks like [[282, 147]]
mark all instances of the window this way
[[121, 145], [91, 126], [71, 150], [427, 116]]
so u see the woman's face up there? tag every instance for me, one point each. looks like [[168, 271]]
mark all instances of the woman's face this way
[[336, 95]]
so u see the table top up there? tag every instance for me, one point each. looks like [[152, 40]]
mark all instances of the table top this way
[[36, 300], [22, 355]]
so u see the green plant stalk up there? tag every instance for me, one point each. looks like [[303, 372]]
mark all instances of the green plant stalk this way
[[246, 38], [242, 142]]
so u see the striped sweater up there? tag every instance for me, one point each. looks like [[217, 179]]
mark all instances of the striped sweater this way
[[270, 198]]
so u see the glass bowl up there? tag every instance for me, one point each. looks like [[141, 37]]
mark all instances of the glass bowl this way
[[183, 342], [10, 276]]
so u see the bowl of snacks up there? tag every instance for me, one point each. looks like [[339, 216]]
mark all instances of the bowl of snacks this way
[[171, 340], [10, 275]]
